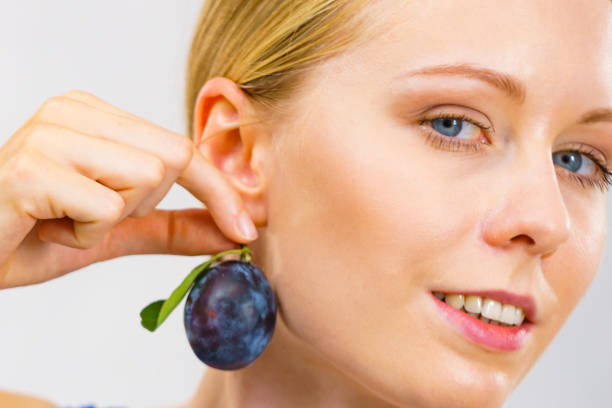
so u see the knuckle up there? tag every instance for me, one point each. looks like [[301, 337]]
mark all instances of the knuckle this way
[[114, 207], [37, 128], [156, 172], [76, 93], [50, 106], [184, 153], [35, 133], [21, 168]]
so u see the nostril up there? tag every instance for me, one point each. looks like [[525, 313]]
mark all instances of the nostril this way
[[523, 237]]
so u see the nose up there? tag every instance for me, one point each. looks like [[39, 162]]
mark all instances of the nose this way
[[533, 214]]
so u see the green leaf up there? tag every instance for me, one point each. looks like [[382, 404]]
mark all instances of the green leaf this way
[[155, 313], [148, 315]]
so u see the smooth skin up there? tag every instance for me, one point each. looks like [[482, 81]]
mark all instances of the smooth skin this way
[[72, 175], [360, 218], [363, 217]]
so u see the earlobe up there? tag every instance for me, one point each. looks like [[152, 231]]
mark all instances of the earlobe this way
[[219, 111]]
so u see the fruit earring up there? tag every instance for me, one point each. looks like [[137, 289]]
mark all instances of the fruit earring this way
[[230, 312]]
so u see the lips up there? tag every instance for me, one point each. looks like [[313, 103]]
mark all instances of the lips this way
[[501, 338]]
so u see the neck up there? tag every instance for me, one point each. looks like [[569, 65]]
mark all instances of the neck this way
[[287, 374]]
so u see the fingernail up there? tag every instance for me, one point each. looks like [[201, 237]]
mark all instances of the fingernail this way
[[246, 226]]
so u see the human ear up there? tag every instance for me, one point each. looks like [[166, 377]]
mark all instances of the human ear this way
[[226, 134]]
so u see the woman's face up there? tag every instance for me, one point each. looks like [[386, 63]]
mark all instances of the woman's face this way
[[369, 210]]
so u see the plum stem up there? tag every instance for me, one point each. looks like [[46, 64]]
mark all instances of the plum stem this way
[[245, 253]]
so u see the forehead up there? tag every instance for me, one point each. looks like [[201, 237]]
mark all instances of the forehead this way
[[543, 42], [580, 27]]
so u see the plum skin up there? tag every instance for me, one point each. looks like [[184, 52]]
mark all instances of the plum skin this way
[[230, 315]]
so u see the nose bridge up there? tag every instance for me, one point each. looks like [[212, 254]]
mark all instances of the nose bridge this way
[[531, 212]]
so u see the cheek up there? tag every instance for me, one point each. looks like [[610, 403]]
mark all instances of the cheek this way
[[358, 228], [358, 222], [572, 269]]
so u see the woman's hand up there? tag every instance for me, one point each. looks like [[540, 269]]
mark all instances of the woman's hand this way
[[78, 167]]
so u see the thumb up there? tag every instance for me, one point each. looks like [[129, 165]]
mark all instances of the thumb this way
[[189, 231]]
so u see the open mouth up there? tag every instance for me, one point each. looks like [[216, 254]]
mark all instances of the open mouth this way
[[493, 332], [483, 308]]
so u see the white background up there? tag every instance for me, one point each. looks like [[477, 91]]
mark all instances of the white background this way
[[77, 339]]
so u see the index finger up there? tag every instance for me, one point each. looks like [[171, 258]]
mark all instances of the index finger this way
[[202, 179]]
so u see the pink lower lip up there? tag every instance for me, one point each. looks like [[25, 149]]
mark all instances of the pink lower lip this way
[[505, 338]]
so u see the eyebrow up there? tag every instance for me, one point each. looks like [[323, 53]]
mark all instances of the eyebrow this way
[[511, 86]]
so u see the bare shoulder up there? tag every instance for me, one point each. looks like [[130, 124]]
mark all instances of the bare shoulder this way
[[15, 400]]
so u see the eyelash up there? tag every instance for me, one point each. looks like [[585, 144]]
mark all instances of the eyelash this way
[[448, 143]]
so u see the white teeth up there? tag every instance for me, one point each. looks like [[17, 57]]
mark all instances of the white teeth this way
[[491, 309], [473, 303], [519, 315], [454, 300], [507, 314], [487, 310]]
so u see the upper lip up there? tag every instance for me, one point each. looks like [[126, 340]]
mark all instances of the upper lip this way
[[525, 302]]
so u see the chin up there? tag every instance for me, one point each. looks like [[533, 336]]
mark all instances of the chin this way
[[429, 377], [485, 390]]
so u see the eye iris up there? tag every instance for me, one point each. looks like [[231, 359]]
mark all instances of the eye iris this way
[[452, 123], [573, 159]]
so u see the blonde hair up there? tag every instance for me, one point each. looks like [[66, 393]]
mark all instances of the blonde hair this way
[[264, 46]]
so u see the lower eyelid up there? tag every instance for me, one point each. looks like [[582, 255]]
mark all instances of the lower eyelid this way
[[447, 143]]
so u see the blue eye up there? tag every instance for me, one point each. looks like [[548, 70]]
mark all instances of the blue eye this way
[[451, 126], [572, 161]]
